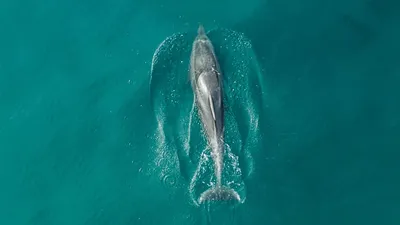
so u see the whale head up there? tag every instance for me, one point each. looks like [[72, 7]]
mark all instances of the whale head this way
[[201, 34], [200, 30]]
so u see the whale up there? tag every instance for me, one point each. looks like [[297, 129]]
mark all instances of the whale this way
[[207, 84]]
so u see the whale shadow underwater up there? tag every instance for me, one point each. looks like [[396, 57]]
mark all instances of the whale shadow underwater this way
[[206, 95]]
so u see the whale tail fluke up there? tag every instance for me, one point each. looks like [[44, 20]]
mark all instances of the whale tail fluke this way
[[219, 193]]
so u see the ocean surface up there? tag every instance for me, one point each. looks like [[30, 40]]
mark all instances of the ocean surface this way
[[98, 126]]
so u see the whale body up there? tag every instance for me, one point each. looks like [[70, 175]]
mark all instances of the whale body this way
[[206, 82]]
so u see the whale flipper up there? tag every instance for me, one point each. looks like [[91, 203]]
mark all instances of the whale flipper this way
[[212, 108]]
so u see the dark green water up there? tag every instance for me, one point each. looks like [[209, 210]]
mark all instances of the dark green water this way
[[94, 131]]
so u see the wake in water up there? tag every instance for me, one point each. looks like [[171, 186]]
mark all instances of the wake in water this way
[[179, 133]]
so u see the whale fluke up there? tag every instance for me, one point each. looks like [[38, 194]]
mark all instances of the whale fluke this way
[[219, 193]]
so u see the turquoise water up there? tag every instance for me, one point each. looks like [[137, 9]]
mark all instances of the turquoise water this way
[[98, 127]]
